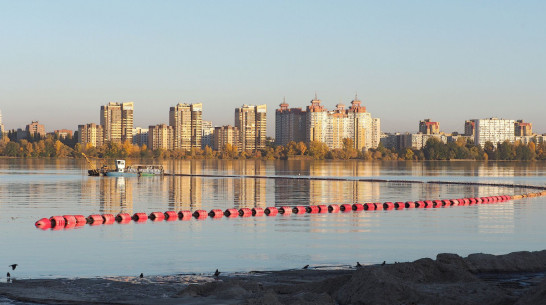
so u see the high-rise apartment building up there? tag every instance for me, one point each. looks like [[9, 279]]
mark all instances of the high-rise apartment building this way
[[469, 128], [338, 127], [225, 135], [493, 130], [207, 136], [187, 123], [1, 127], [329, 127], [376, 132], [117, 122], [140, 136], [523, 129], [251, 122], [316, 122], [160, 136], [428, 127], [361, 125], [35, 129], [289, 124], [90, 134]]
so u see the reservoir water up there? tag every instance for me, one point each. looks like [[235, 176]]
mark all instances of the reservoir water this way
[[36, 188]]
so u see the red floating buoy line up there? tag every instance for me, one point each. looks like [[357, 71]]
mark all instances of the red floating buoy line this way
[[74, 221]]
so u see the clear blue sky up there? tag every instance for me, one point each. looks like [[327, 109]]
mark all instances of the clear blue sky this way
[[408, 60]]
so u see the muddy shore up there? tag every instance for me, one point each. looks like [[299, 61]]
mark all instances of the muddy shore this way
[[515, 278]]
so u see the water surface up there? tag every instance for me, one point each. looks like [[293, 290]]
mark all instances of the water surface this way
[[32, 189]]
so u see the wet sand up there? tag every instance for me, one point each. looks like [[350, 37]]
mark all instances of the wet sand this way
[[515, 278]]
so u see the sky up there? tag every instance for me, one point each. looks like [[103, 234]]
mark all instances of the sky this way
[[449, 61]]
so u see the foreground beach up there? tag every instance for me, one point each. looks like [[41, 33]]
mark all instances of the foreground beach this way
[[515, 278]]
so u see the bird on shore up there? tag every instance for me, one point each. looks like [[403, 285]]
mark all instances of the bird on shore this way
[[13, 266], [141, 275], [383, 264], [8, 275], [305, 267], [217, 273], [358, 265]]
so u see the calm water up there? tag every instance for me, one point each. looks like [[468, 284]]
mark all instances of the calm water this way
[[32, 189]]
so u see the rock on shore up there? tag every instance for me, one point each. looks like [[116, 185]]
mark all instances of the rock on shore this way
[[516, 278]]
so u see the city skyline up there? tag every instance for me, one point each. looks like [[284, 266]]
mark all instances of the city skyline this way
[[446, 61], [271, 129]]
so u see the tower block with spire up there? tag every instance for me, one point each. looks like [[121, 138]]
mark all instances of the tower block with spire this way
[[330, 127]]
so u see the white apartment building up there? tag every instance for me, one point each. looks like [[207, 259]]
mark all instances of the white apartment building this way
[[494, 130]]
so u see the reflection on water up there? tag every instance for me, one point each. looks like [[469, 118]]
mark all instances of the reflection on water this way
[[116, 194], [35, 188]]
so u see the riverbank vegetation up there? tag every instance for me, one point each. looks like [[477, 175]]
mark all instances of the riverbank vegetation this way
[[53, 146]]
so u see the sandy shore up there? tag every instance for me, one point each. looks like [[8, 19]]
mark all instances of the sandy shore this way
[[515, 278]]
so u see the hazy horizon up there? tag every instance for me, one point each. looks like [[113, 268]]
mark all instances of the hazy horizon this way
[[449, 62]]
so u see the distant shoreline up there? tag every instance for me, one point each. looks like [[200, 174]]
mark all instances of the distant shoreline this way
[[261, 159]]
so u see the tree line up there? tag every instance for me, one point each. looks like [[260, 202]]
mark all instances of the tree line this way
[[54, 146]]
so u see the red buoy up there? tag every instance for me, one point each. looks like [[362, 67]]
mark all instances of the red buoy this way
[[216, 213], [437, 203], [184, 215], [378, 206], [323, 208], [446, 202], [410, 204], [399, 205], [298, 210], [80, 219], [333, 208], [171, 215], [285, 210], [358, 207], [257, 212], [200, 214], [108, 219], [57, 221], [123, 218], [245, 212], [420, 204], [387, 206], [345, 207], [231, 213], [95, 219], [271, 211], [156, 216], [312, 209], [69, 220], [43, 224], [429, 204], [473, 201], [369, 206], [140, 217]]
